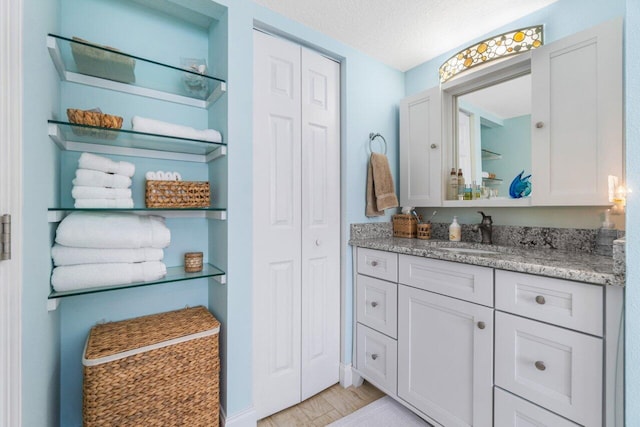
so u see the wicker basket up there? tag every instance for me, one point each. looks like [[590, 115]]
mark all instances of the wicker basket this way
[[404, 225], [177, 194], [158, 370], [193, 262], [102, 61], [423, 231], [94, 118]]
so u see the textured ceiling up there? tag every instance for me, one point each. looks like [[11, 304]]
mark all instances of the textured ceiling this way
[[404, 33]]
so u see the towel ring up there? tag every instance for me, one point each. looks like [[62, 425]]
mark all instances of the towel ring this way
[[372, 137]]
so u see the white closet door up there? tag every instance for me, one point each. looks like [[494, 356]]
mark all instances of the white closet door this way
[[276, 224], [320, 222]]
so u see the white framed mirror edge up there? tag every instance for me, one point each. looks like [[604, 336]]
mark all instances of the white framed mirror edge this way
[[491, 74]]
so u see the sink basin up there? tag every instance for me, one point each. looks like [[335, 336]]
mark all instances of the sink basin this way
[[469, 250]]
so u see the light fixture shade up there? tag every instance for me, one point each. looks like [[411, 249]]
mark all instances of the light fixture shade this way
[[506, 44]]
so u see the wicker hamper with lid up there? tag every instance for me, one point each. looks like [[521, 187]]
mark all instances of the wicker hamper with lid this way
[[157, 370]]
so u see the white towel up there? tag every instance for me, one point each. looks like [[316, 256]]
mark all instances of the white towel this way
[[84, 192], [104, 203], [91, 178], [110, 230], [143, 124], [103, 164], [150, 176], [66, 255], [72, 277]]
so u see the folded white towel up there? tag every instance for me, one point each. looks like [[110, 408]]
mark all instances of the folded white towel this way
[[91, 178], [161, 175], [177, 176], [84, 192], [112, 230], [150, 176], [66, 255], [485, 174], [73, 277], [143, 124], [104, 203], [103, 164]]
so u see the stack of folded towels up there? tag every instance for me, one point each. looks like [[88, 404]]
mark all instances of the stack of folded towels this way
[[146, 125], [102, 183], [106, 249]]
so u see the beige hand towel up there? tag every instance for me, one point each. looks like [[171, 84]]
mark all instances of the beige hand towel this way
[[381, 193]]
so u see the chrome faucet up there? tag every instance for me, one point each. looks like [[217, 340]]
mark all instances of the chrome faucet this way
[[485, 228]]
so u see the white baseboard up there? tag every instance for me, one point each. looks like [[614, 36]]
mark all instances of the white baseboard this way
[[349, 377], [246, 418]]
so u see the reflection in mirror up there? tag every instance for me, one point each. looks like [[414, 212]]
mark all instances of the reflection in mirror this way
[[494, 135]]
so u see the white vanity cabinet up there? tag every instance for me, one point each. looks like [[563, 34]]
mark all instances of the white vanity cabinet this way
[[421, 149], [577, 138]]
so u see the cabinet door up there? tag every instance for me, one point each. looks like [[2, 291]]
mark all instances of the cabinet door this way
[[445, 357], [420, 149], [577, 117]]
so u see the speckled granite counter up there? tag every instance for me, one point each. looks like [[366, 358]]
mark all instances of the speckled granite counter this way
[[578, 266]]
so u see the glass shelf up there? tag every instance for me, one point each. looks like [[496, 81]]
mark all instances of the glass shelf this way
[[492, 181], [76, 137], [174, 274], [57, 214], [93, 65], [490, 155]]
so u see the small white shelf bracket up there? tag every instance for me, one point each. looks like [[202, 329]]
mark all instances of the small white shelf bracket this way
[[221, 279], [53, 304]]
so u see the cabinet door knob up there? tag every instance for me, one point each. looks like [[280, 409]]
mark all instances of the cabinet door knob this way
[[540, 365], [540, 299], [481, 325], [318, 242], [540, 125], [374, 304], [374, 263], [374, 356], [434, 146]]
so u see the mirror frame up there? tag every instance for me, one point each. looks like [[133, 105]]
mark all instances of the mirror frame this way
[[480, 78]]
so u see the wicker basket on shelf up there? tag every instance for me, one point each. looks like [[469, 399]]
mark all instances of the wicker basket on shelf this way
[[404, 225], [177, 194], [156, 370], [94, 118]]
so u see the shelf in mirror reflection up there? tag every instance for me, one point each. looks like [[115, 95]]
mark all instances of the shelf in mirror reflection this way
[[174, 274], [481, 203]]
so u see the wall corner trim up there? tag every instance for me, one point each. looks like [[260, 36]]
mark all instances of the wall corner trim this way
[[245, 418]]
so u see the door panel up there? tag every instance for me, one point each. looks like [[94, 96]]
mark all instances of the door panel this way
[[320, 222], [276, 236]]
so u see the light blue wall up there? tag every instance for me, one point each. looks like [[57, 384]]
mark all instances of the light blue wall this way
[[40, 344], [632, 105]]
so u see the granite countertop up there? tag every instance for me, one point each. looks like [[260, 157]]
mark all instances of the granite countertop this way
[[577, 266]]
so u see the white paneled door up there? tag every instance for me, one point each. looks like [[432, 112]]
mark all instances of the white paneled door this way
[[296, 223]]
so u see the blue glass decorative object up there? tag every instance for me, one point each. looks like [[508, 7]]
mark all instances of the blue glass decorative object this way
[[520, 186]]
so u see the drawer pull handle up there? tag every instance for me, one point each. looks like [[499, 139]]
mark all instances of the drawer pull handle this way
[[540, 299], [374, 304], [540, 365], [540, 125], [481, 325], [374, 263], [374, 356]]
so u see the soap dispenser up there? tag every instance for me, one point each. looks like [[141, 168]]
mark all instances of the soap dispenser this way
[[455, 232]]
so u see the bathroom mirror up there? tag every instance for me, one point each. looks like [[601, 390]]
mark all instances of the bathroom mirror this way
[[493, 134]]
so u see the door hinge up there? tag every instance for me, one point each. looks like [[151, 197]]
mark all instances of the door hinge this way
[[5, 237]]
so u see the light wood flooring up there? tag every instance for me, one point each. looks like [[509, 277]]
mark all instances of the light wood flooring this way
[[324, 408]]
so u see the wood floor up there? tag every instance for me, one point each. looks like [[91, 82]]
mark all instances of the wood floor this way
[[324, 408]]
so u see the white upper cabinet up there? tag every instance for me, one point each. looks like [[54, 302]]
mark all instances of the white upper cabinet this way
[[577, 117], [420, 149]]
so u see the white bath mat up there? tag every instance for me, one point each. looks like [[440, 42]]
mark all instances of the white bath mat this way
[[384, 412]]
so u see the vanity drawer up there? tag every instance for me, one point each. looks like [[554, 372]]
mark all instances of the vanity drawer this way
[[467, 282], [561, 302], [510, 410], [377, 304], [380, 264], [377, 358], [551, 366]]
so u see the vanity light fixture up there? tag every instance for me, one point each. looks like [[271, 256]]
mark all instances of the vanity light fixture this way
[[497, 47]]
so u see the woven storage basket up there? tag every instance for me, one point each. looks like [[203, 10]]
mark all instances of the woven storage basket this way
[[108, 64], [157, 370], [177, 194], [423, 231], [404, 225], [94, 118]]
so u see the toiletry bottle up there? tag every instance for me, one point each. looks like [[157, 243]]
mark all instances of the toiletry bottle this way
[[455, 231], [460, 183], [476, 191], [468, 192], [453, 185]]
